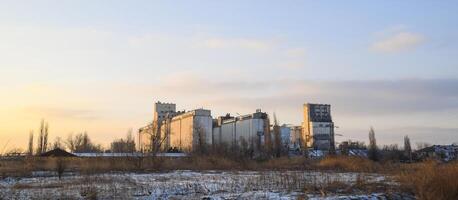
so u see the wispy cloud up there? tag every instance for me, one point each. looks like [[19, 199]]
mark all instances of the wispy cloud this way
[[355, 104], [388, 105], [296, 52], [356, 98], [61, 112], [401, 41], [238, 43]]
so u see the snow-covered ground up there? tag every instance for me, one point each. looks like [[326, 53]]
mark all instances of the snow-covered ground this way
[[183, 185]]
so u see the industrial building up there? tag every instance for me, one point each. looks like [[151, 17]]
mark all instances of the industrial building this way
[[161, 112], [291, 136], [144, 138], [250, 130], [188, 131], [318, 128], [285, 136], [178, 130]]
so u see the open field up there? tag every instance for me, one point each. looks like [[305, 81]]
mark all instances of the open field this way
[[212, 177], [196, 185]]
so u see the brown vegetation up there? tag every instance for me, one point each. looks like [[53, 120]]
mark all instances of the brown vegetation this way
[[427, 180], [24, 166], [431, 180], [347, 163]]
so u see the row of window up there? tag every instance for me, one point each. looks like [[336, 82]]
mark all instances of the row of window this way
[[321, 125]]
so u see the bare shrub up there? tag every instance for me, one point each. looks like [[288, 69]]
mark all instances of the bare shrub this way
[[60, 167], [293, 163], [122, 145], [431, 180], [347, 163], [89, 192], [81, 143]]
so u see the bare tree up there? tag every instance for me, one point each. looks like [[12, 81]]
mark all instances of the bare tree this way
[[60, 166], [392, 153], [86, 142], [30, 149], [71, 143], [42, 138], [124, 145], [246, 151], [201, 145], [277, 138], [156, 139], [268, 146], [407, 148], [130, 140], [45, 138], [4, 147], [58, 143], [81, 143], [14, 151], [373, 153]]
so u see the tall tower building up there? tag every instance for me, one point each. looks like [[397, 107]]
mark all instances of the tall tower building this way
[[318, 128], [162, 110]]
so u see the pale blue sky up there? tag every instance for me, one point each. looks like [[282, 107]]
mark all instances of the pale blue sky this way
[[99, 65]]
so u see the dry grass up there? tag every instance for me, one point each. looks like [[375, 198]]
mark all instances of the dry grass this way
[[431, 180], [427, 180], [24, 167], [346, 163]]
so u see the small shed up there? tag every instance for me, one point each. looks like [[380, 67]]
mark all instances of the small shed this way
[[57, 152]]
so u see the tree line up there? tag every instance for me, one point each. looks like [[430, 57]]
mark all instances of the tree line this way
[[82, 143], [387, 152], [76, 143]]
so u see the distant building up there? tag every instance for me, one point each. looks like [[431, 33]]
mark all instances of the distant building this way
[[352, 148], [291, 136], [250, 130], [187, 131], [57, 152], [442, 152], [144, 137], [285, 136], [161, 112], [318, 128]]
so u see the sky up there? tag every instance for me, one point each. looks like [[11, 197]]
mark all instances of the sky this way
[[98, 66]]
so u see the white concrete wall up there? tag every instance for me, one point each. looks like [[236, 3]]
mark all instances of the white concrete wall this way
[[203, 124], [285, 134], [295, 138], [246, 130], [186, 130]]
